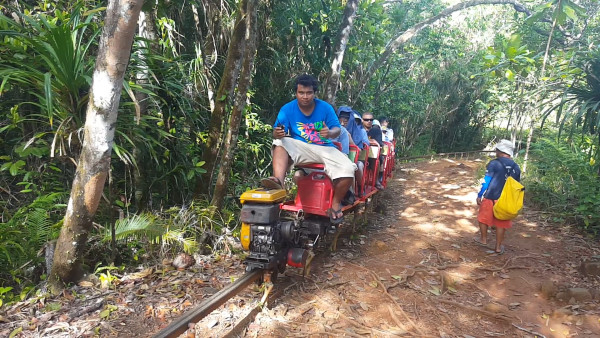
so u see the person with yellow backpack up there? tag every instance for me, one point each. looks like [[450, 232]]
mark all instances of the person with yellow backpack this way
[[498, 171]]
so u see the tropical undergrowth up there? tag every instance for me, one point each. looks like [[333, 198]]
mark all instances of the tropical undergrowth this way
[[562, 178], [157, 153]]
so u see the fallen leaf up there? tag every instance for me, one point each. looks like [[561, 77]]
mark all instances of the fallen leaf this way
[[104, 314], [364, 306], [15, 332], [396, 277], [373, 284], [435, 290], [142, 274], [86, 284]]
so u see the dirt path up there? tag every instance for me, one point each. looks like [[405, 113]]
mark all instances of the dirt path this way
[[412, 270], [415, 270]]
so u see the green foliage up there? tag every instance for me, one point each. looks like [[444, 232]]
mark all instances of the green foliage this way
[[148, 227], [29, 229], [561, 179]]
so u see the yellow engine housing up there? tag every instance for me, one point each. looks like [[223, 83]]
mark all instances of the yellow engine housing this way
[[262, 195]]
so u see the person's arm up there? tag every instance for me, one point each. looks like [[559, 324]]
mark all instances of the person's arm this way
[[484, 186], [487, 179], [345, 141], [325, 132], [280, 125], [331, 124]]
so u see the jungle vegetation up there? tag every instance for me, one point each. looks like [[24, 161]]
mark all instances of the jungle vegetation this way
[[204, 80]]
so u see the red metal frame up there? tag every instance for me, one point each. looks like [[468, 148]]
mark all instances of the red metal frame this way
[[315, 190]]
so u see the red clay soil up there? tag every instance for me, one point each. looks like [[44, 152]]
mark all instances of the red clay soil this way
[[411, 270], [414, 270]]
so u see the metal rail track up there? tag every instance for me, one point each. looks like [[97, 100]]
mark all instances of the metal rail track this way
[[181, 325]]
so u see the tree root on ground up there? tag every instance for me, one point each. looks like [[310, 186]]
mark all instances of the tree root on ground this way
[[378, 279], [504, 317]]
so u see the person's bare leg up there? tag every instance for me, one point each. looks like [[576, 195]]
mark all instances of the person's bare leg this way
[[499, 238], [483, 230], [280, 163], [340, 188]]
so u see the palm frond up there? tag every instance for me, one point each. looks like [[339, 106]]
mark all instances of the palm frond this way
[[137, 226]]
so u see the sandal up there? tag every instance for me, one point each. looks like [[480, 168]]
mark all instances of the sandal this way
[[271, 183], [496, 253], [478, 241], [338, 219]]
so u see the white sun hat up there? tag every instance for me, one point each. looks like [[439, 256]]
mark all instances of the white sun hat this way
[[506, 147]]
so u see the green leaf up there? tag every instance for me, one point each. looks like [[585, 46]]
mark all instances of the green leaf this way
[[104, 314], [570, 12], [15, 167], [15, 332], [509, 75]]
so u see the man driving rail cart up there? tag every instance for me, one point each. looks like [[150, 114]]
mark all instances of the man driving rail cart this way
[[302, 135]]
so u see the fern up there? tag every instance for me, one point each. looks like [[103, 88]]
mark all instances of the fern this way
[[137, 226], [177, 237]]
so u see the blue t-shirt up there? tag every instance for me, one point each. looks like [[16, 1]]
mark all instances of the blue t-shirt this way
[[306, 128], [497, 169], [344, 140]]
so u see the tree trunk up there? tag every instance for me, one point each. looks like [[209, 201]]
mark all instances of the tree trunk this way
[[394, 44], [529, 137], [249, 46], [146, 30], [223, 100], [340, 49], [94, 161]]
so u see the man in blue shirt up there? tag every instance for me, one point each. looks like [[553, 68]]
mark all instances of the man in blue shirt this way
[[302, 133], [496, 173]]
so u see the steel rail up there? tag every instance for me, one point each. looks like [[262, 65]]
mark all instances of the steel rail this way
[[179, 326]]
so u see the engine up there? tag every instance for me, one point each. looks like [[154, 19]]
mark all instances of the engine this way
[[273, 241]]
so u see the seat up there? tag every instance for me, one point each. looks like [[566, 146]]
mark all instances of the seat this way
[[353, 153]]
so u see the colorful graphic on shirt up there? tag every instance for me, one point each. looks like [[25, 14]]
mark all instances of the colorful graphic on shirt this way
[[310, 132]]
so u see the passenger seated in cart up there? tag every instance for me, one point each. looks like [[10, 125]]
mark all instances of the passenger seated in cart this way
[[302, 135], [376, 139], [351, 120]]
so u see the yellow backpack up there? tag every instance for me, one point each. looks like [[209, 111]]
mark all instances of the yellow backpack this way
[[511, 200]]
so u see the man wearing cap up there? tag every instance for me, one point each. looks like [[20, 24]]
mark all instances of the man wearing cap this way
[[496, 173]]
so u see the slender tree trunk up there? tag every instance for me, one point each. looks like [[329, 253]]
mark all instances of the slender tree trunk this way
[[340, 48], [224, 99], [94, 162], [529, 137], [405, 36], [146, 30], [250, 13]]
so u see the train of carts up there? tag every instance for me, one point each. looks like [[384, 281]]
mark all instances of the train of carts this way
[[277, 233]]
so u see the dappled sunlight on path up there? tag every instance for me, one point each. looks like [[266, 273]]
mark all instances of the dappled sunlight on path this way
[[416, 270]]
